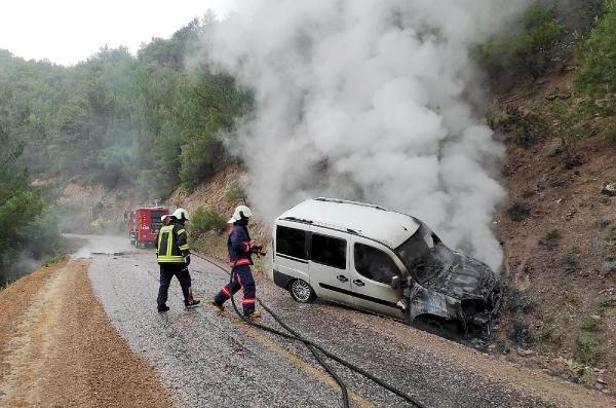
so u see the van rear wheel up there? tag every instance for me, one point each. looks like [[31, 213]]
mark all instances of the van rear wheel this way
[[301, 291]]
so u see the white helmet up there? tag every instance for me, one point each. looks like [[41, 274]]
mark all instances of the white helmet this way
[[240, 211], [180, 214], [162, 218]]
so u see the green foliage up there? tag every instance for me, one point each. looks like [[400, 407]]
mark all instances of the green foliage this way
[[587, 346], [587, 349], [531, 129], [518, 211], [235, 193], [497, 119], [597, 73], [42, 234], [568, 122], [148, 122], [198, 159], [524, 51], [27, 226], [524, 128], [611, 130], [551, 239], [207, 219], [590, 324], [209, 108]]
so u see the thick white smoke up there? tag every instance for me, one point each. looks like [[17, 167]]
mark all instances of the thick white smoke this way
[[371, 100]]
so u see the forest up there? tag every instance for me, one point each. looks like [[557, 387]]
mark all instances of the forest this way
[[159, 119], [147, 123]]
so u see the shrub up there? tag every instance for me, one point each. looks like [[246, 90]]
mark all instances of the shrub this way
[[527, 50], [42, 234], [235, 193], [497, 119], [518, 211], [611, 132], [597, 73], [551, 239], [586, 349], [207, 219], [590, 324]]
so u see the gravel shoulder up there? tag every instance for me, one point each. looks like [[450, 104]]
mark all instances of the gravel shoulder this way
[[58, 347]]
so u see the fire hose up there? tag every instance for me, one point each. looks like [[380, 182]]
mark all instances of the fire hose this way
[[314, 348]]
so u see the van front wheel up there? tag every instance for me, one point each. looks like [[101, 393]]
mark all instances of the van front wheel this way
[[301, 291]]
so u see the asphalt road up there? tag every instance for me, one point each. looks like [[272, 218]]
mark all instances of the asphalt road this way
[[210, 360]]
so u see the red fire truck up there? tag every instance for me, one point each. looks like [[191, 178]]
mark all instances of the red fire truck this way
[[143, 225]]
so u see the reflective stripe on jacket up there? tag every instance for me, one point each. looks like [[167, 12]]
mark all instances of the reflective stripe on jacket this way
[[172, 244]]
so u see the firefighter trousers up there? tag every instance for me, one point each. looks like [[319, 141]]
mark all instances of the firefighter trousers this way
[[167, 272], [242, 279]]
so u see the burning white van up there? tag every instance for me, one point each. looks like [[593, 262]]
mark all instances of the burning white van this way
[[367, 257]]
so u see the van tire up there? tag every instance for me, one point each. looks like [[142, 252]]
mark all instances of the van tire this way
[[301, 291]]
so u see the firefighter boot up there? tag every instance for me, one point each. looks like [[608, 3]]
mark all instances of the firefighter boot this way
[[191, 302], [163, 308], [218, 306], [255, 314]]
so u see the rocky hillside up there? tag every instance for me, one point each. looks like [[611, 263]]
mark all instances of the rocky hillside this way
[[558, 229]]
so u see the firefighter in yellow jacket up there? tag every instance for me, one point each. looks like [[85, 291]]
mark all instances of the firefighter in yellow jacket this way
[[173, 255]]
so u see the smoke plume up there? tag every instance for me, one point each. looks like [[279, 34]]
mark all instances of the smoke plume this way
[[372, 100]]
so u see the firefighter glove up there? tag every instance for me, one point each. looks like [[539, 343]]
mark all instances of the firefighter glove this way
[[187, 260]]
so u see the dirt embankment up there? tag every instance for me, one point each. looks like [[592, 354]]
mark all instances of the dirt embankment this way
[[559, 235], [94, 208], [222, 193], [58, 348]]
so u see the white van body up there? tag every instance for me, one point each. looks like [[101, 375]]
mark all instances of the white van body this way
[[367, 257], [342, 228]]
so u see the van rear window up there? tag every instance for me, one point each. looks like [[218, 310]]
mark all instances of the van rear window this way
[[328, 251], [291, 242]]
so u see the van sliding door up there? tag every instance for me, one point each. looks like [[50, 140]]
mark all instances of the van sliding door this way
[[329, 261]]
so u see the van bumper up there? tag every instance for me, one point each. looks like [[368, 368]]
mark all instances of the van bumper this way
[[282, 280]]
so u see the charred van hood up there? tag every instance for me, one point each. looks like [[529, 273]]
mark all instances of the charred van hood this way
[[462, 276]]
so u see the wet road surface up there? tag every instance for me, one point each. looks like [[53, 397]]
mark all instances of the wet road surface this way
[[210, 360]]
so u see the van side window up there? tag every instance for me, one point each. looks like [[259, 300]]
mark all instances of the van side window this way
[[374, 264], [291, 242], [328, 251]]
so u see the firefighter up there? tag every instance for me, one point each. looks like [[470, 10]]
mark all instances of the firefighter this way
[[240, 248], [173, 255]]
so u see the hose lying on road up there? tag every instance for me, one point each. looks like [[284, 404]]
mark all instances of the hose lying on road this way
[[315, 348]]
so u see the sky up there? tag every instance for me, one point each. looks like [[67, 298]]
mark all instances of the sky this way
[[68, 31]]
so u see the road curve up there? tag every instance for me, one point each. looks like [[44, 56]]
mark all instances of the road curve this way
[[210, 360]]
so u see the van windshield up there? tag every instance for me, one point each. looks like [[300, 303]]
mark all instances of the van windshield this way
[[416, 254]]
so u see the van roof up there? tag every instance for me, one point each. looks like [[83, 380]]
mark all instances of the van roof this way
[[389, 227]]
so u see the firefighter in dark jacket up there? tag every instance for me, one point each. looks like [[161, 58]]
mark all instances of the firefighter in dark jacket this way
[[240, 248], [173, 255]]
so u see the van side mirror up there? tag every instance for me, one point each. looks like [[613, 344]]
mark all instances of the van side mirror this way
[[395, 282]]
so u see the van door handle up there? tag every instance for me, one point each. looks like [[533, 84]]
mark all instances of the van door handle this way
[[342, 278], [359, 282]]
